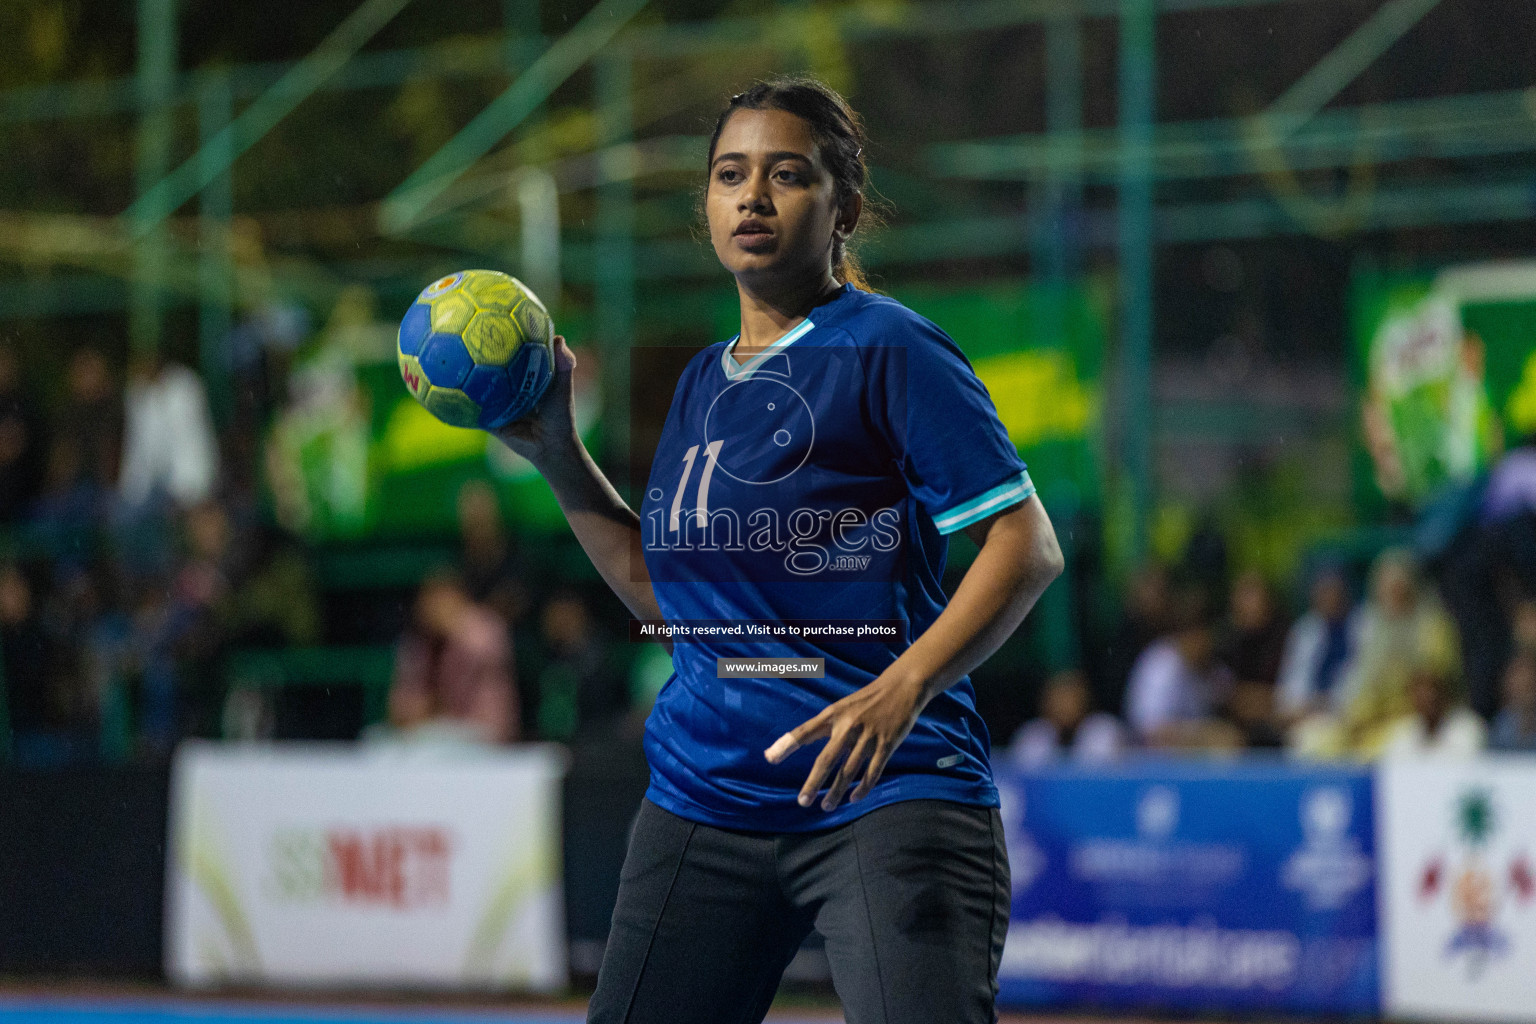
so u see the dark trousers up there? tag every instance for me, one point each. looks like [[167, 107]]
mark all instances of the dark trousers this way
[[912, 900]]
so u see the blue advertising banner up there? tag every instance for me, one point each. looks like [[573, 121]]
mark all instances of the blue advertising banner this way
[[1177, 885]]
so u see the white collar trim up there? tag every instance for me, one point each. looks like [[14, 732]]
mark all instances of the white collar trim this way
[[741, 371]]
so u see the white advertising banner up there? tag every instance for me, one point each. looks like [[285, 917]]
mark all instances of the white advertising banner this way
[[1458, 894], [313, 865]]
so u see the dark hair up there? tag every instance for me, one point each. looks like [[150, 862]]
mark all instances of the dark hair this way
[[839, 137]]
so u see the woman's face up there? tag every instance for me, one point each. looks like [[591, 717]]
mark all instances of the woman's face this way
[[772, 206]]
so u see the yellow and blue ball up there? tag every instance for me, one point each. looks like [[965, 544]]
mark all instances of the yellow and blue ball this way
[[477, 349]]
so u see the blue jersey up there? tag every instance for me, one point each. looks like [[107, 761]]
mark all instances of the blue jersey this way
[[816, 481]]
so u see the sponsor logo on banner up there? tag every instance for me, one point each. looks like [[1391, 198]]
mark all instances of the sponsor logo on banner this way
[[1154, 859], [404, 867], [1479, 892], [1459, 897], [1200, 955], [298, 865], [1329, 868], [1191, 890]]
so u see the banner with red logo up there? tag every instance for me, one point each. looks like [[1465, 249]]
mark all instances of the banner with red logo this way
[[1458, 892], [348, 866]]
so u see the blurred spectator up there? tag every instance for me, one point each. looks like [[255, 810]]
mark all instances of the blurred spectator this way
[[1492, 567], [260, 350], [1511, 489], [1523, 627], [82, 457], [90, 423], [1143, 618], [64, 706], [23, 446], [1437, 726], [1515, 727], [186, 650], [453, 669], [1066, 727], [1255, 635], [168, 438], [1177, 685], [317, 450], [580, 689], [1403, 630], [23, 653], [1205, 555], [276, 601], [1250, 711], [487, 559], [1317, 650], [1251, 648]]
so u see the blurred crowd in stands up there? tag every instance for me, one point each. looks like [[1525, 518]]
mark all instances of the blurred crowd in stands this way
[[140, 555], [1431, 651]]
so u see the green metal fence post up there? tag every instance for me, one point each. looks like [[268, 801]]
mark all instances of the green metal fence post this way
[[615, 285], [1058, 191], [1053, 266], [1138, 23], [157, 45], [216, 284]]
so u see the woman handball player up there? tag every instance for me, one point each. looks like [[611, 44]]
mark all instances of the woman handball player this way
[[810, 470]]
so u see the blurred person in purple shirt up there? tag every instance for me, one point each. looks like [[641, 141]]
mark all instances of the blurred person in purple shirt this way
[[1515, 727], [1177, 686], [1492, 567]]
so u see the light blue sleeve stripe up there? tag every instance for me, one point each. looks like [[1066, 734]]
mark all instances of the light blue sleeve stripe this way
[[984, 505]]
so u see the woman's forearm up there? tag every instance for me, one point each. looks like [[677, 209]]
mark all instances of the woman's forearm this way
[[609, 531], [1019, 557]]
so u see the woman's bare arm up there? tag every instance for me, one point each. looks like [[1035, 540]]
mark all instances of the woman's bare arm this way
[[608, 529]]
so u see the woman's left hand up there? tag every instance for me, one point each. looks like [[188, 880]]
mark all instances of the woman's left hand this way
[[862, 731]]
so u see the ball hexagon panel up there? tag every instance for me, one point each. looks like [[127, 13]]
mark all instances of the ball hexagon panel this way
[[492, 338], [414, 376], [451, 312], [445, 360], [452, 406], [489, 388], [491, 289], [414, 328], [534, 321]]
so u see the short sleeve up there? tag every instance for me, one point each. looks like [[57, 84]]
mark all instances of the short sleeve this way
[[942, 427]]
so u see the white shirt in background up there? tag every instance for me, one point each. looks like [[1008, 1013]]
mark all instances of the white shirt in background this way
[[1295, 692], [1099, 739], [168, 439], [1164, 690], [1461, 737]]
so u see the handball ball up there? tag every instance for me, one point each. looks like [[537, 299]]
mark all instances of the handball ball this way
[[476, 348]]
